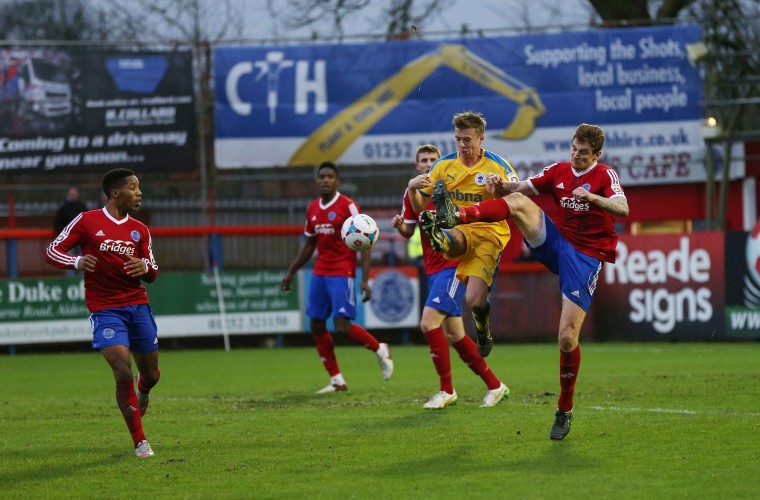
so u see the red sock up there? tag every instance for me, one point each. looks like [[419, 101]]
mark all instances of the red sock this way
[[569, 364], [126, 398], [468, 351], [143, 387], [363, 337], [492, 210], [439, 352], [326, 350]]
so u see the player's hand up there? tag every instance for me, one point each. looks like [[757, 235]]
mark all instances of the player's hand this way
[[87, 263], [396, 221], [581, 194], [366, 291], [285, 284], [136, 268], [495, 185], [419, 182]]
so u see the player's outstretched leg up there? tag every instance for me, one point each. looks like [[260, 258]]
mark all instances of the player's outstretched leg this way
[[438, 240], [561, 427], [446, 213]]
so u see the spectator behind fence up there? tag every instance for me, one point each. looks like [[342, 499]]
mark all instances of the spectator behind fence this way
[[66, 213], [70, 208]]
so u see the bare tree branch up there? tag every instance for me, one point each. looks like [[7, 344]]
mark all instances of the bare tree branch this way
[[403, 14], [308, 12]]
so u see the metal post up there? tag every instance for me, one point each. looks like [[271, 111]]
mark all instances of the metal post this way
[[709, 184], [725, 180]]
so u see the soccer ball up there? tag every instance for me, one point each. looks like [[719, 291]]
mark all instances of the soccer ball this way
[[360, 232]]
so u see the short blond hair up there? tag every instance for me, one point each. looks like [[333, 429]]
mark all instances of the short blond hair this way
[[470, 119]]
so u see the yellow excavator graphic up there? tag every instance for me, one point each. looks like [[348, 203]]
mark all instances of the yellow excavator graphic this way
[[332, 139]]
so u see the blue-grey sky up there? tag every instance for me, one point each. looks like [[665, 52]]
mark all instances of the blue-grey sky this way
[[476, 14]]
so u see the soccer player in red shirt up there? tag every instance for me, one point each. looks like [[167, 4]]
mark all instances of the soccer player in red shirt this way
[[589, 195], [116, 256], [442, 315], [331, 290]]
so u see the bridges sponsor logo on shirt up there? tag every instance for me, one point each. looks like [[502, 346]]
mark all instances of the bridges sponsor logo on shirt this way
[[573, 204], [324, 229], [118, 246]]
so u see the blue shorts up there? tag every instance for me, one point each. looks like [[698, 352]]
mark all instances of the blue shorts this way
[[131, 326], [331, 296], [577, 271], [446, 292]]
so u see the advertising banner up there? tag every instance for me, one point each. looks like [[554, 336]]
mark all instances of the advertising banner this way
[[743, 284], [185, 304], [663, 285], [82, 108], [188, 304], [375, 103]]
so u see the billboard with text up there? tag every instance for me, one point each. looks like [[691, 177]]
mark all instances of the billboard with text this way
[[82, 108], [375, 103], [663, 286]]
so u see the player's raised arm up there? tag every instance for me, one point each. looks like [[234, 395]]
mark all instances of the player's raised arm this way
[[417, 199]]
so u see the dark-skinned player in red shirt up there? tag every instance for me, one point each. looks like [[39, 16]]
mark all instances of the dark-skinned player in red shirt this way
[[116, 257], [331, 289]]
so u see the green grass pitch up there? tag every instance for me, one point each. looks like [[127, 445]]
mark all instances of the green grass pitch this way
[[654, 420]]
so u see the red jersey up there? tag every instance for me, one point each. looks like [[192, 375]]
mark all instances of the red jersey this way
[[325, 221], [434, 261], [113, 242], [587, 227]]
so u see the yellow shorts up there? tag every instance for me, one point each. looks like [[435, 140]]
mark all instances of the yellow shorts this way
[[484, 247]]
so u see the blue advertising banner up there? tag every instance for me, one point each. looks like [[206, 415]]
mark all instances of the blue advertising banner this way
[[375, 103]]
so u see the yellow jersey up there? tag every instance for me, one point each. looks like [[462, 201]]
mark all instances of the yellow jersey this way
[[467, 185]]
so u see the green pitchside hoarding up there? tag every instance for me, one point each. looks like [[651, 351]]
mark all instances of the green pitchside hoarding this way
[[186, 304]]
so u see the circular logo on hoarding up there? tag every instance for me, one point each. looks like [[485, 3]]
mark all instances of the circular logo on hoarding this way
[[752, 278], [392, 296]]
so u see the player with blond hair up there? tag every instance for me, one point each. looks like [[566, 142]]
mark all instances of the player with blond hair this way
[[461, 176], [442, 315]]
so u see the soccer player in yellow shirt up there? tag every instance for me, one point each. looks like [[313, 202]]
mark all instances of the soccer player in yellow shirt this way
[[460, 178]]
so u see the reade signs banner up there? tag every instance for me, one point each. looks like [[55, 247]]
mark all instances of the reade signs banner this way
[[663, 285], [375, 103], [81, 108]]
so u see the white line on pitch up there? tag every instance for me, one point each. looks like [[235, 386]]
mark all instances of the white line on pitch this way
[[677, 411]]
